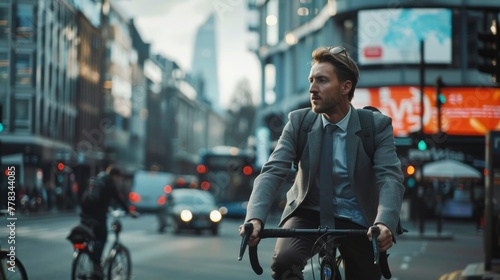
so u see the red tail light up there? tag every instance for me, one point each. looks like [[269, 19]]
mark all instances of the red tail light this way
[[79, 246], [247, 170], [134, 197], [167, 189], [161, 200], [202, 169], [205, 185]]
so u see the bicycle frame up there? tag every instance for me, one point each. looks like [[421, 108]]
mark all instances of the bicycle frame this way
[[83, 242], [329, 263], [116, 227], [111, 265], [321, 232]]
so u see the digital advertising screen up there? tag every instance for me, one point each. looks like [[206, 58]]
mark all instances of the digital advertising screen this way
[[468, 111], [392, 36]]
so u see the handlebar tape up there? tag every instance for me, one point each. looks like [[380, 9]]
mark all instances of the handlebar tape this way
[[254, 260], [375, 233], [384, 265]]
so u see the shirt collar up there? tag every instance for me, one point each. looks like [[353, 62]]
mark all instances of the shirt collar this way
[[342, 124]]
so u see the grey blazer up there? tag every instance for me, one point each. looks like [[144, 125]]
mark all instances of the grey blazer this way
[[378, 188]]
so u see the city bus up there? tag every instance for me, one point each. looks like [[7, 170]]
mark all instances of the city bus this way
[[227, 172]]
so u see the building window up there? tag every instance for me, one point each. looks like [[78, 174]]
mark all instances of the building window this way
[[4, 78], [4, 23], [22, 115], [4, 72], [21, 110], [23, 69], [24, 21]]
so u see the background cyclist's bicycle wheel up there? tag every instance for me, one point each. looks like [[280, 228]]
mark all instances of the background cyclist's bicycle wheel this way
[[121, 265]]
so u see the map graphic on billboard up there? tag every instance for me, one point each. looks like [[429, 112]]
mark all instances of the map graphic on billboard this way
[[392, 36]]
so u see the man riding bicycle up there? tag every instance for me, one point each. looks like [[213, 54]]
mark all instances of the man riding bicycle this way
[[94, 211], [345, 188]]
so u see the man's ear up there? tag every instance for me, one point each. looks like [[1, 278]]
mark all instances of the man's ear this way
[[346, 86]]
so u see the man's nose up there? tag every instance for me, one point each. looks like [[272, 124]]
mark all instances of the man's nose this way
[[313, 88]]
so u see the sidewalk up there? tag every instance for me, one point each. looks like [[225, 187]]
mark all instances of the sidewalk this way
[[474, 271], [450, 229]]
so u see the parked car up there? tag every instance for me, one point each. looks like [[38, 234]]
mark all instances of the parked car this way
[[193, 209], [149, 194]]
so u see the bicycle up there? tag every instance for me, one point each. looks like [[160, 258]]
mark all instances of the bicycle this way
[[117, 263], [329, 263], [11, 268]]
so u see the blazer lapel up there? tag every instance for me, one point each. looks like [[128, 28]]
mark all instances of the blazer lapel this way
[[315, 137]]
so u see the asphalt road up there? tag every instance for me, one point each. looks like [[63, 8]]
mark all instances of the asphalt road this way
[[42, 247]]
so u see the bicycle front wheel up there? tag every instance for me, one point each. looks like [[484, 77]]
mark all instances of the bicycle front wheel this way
[[12, 268], [83, 266], [120, 266]]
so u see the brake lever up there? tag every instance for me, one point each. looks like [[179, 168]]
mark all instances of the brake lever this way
[[375, 233], [252, 251], [244, 239]]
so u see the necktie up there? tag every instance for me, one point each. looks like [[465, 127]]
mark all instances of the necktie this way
[[327, 217]]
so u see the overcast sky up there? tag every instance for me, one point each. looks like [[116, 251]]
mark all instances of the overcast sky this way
[[171, 25]]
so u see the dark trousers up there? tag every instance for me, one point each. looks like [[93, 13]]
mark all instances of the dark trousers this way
[[291, 254], [101, 236]]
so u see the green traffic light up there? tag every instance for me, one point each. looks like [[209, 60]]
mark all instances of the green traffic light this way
[[1, 127], [410, 182], [442, 98], [422, 146]]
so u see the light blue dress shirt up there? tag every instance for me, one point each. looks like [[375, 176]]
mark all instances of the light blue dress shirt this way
[[345, 204]]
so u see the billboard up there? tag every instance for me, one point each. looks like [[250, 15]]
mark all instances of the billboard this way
[[392, 36], [471, 111]]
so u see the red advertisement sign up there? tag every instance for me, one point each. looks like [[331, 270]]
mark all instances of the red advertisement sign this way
[[467, 110]]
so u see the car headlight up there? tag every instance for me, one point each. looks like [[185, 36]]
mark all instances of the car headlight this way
[[215, 216], [186, 215]]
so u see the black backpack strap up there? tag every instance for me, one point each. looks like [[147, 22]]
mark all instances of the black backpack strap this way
[[367, 122], [305, 126]]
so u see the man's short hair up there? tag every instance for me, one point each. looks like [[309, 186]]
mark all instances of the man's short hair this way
[[343, 65], [114, 170]]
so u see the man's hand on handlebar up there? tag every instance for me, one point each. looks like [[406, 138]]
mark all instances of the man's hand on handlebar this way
[[254, 238], [385, 239]]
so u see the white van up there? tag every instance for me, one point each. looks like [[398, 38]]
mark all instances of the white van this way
[[149, 190]]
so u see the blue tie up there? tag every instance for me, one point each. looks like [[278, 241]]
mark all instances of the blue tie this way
[[327, 217]]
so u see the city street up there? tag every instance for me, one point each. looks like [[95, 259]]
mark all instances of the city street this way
[[42, 247]]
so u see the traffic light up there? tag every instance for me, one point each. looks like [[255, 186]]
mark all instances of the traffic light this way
[[60, 166], [247, 170], [1, 118], [410, 176], [410, 170], [490, 52], [422, 146], [440, 98]]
